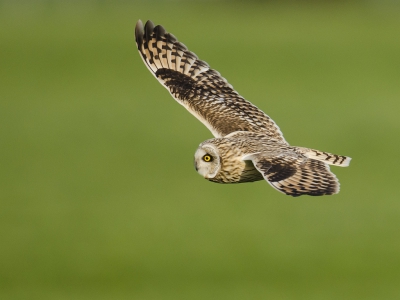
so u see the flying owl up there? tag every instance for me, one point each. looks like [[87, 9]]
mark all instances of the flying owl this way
[[248, 145]]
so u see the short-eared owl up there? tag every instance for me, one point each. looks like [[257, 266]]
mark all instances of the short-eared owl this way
[[248, 145]]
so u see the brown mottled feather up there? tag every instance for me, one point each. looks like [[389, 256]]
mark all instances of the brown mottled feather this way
[[296, 176], [201, 90]]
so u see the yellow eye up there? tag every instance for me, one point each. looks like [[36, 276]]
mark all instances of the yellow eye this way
[[207, 158]]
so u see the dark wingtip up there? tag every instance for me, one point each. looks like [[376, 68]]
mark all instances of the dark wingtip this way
[[148, 29], [160, 30], [149, 24], [139, 33]]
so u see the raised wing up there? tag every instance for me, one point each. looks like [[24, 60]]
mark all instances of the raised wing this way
[[200, 89]]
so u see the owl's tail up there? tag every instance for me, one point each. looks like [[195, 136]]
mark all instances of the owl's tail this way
[[329, 158]]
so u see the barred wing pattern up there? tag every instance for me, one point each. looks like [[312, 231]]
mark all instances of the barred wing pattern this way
[[295, 176], [200, 89]]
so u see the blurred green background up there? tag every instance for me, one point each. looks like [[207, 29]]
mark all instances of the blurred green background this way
[[99, 197]]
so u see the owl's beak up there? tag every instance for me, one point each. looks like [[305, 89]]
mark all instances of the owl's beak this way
[[195, 166]]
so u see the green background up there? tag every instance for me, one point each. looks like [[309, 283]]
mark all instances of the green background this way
[[99, 197]]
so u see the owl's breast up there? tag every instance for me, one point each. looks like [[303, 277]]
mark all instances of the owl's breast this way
[[250, 173], [237, 171]]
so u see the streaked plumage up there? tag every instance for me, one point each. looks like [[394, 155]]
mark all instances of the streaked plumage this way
[[248, 145]]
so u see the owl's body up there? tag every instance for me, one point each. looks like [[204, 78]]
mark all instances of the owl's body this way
[[248, 145], [250, 156]]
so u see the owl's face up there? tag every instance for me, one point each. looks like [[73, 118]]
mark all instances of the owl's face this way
[[220, 160], [207, 161]]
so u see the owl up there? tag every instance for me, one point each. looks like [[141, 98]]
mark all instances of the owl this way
[[247, 145]]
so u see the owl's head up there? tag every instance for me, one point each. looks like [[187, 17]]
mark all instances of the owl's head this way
[[207, 160]]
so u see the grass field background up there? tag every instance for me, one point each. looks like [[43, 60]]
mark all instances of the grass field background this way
[[99, 197]]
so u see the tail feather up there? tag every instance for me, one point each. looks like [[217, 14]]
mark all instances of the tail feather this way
[[329, 158]]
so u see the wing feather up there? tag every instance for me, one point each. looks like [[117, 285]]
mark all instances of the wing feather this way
[[296, 176], [200, 89]]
